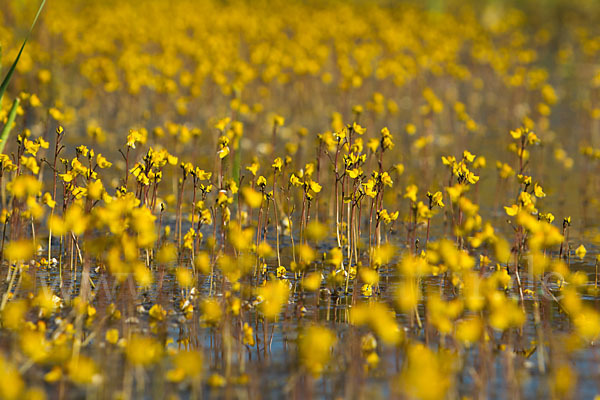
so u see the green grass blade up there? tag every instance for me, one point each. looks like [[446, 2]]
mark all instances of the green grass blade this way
[[11, 70], [9, 124], [237, 161]]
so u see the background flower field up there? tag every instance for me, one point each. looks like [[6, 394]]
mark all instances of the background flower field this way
[[285, 199]]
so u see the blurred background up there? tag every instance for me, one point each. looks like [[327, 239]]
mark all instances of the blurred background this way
[[442, 75]]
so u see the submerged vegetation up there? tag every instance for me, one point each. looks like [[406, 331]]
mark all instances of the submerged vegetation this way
[[213, 199]]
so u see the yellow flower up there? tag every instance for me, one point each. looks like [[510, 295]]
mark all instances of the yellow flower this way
[[261, 181], [275, 295], [366, 290], [184, 277], [47, 199], [211, 312], [188, 239], [314, 186], [295, 181], [112, 336], [82, 370], [468, 331], [143, 275], [12, 385], [253, 168], [426, 375], [223, 147], [95, 189], [222, 124], [512, 210], [354, 173], [277, 164], [580, 251], [143, 350], [387, 180], [408, 295], [135, 136], [157, 312], [358, 129], [13, 315], [315, 347], [373, 144], [436, 199], [24, 185], [187, 364], [19, 250], [516, 134], [216, 380], [537, 190], [379, 318], [563, 381], [386, 139], [248, 335], [312, 281], [369, 275], [411, 193], [281, 271], [387, 218], [53, 375], [102, 162], [468, 156]]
